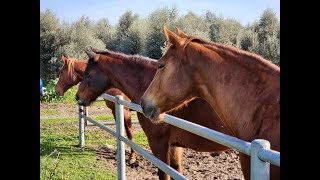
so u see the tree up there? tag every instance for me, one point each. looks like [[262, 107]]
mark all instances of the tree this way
[[268, 35], [224, 31], [155, 38], [247, 39], [134, 41], [50, 40], [106, 33], [194, 25], [128, 38], [145, 36], [214, 24], [229, 30], [57, 39], [80, 35]]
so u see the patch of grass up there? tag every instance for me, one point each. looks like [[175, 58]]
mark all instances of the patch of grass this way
[[99, 103], [60, 157], [69, 96], [134, 115], [58, 120], [110, 117], [104, 117], [112, 142], [57, 167], [49, 112], [68, 120], [140, 138]]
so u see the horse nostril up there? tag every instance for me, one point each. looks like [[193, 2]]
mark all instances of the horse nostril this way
[[77, 98]]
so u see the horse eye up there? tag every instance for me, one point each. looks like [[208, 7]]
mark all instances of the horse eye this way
[[160, 66]]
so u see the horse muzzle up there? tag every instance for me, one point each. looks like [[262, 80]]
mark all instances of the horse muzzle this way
[[149, 111], [80, 101]]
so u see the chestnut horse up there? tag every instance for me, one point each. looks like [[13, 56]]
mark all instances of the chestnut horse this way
[[242, 88], [71, 74], [132, 74]]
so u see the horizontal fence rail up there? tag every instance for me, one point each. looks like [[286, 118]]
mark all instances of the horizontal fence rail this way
[[109, 130], [100, 98], [270, 156], [245, 147], [113, 123], [260, 152]]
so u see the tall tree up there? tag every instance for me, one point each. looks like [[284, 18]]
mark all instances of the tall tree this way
[[80, 35], [268, 34], [128, 38], [50, 40], [155, 38], [194, 25], [106, 33]]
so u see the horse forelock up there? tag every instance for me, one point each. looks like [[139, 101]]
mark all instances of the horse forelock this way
[[70, 66]]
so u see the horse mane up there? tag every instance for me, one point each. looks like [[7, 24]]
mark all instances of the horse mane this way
[[134, 58], [247, 58], [70, 65]]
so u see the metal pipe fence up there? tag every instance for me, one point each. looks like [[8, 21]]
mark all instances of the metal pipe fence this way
[[258, 149]]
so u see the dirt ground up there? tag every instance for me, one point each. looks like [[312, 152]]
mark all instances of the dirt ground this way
[[196, 165]]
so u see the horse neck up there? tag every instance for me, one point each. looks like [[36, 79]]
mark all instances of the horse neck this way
[[132, 77], [79, 67], [236, 91]]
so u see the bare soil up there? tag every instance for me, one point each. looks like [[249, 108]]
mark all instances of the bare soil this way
[[196, 165]]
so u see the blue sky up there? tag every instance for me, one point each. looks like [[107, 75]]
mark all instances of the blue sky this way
[[245, 11]]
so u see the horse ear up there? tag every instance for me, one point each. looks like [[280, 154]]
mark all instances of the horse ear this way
[[63, 58], [94, 49], [172, 37], [97, 51], [180, 33], [92, 55], [97, 57]]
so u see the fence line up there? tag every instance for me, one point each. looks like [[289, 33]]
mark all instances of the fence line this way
[[120, 152], [245, 147], [259, 149]]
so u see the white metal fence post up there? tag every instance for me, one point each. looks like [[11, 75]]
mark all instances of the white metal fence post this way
[[120, 144], [81, 126], [260, 170]]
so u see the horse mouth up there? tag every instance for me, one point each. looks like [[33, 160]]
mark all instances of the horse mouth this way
[[153, 114], [60, 94], [82, 102]]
